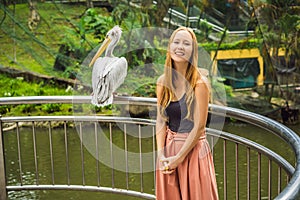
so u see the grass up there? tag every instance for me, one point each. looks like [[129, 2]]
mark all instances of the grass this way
[[12, 87], [36, 50], [18, 87]]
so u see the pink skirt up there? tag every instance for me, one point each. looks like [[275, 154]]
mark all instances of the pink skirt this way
[[194, 178]]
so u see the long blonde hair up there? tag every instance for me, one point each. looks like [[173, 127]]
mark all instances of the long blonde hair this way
[[191, 76]]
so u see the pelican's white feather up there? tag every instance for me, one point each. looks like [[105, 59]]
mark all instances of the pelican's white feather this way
[[109, 72], [108, 80]]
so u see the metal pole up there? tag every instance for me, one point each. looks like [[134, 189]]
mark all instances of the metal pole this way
[[3, 192], [187, 14]]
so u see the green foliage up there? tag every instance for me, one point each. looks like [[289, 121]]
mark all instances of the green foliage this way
[[4, 109], [221, 93], [81, 30], [129, 18], [51, 108], [242, 44], [90, 28], [18, 87], [26, 108], [205, 31], [11, 87], [289, 23], [146, 90], [32, 51], [95, 24], [279, 26]]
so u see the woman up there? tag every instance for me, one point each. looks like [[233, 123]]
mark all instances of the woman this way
[[185, 165]]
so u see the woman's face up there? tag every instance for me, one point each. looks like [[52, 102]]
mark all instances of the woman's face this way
[[181, 47]]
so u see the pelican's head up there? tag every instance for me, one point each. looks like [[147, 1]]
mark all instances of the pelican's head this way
[[111, 39], [113, 36]]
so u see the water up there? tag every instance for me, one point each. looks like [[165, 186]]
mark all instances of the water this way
[[60, 175], [260, 136]]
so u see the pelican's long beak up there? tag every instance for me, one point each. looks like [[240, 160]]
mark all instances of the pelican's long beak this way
[[100, 50]]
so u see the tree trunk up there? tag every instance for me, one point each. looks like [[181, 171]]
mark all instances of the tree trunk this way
[[89, 4], [271, 93], [162, 9], [34, 17]]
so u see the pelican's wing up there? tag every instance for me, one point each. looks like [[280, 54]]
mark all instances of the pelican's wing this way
[[117, 74], [98, 79], [108, 75]]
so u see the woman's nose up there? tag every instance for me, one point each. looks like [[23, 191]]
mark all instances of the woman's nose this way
[[180, 46]]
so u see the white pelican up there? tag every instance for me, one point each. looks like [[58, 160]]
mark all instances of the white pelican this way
[[109, 72]]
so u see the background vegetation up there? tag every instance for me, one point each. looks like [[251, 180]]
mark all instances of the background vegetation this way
[[64, 36]]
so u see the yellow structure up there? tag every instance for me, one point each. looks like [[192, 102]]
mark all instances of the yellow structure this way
[[239, 54]]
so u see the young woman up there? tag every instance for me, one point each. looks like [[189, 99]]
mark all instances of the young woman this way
[[185, 166]]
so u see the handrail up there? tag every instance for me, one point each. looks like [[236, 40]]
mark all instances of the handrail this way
[[86, 188], [211, 132], [215, 27], [73, 100], [292, 189], [78, 118], [283, 163], [271, 154]]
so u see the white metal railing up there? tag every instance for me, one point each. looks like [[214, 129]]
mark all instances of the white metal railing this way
[[182, 19], [275, 161]]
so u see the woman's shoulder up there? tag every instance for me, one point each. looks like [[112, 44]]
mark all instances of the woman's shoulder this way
[[160, 80], [203, 76], [203, 80], [203, 72]]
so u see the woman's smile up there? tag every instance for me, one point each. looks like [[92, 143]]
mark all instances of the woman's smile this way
[[180, 53]]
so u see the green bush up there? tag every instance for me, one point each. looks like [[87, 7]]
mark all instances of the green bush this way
[[242, 44], [51, 108]]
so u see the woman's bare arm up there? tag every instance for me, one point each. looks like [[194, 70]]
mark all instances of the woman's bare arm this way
[[160, 123]]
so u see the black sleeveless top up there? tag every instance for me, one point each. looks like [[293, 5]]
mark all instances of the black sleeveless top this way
[[176, 111]]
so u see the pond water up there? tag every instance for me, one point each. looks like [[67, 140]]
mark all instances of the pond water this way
[[75, 167]]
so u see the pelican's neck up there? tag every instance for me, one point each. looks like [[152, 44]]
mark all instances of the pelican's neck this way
[[110, 49], [108, 52]]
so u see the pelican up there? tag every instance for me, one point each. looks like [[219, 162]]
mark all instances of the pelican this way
[[109, 72]]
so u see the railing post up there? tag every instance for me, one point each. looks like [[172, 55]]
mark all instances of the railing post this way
[[3, 192]]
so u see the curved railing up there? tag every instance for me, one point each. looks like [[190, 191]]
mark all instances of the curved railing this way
[[292, 190], [285, 169]]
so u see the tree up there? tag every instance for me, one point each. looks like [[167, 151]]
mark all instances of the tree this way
[[89, 4], [278, 24], [34, 17]]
